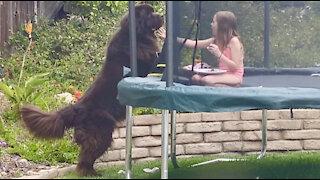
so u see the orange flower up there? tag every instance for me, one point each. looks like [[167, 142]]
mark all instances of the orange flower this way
[[70, 87], [77, 95], [32, 43], [91, 79], [28, 27], [6, 73]]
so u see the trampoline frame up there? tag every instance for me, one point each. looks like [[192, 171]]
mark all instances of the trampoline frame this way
[[169, 82]]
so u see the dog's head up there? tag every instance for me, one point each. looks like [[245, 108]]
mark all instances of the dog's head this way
[[147, 21]]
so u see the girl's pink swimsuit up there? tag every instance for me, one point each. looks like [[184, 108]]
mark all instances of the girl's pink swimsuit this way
[[237, 72]]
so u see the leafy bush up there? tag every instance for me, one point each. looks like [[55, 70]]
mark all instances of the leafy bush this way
[[71, 50], [93, 8], [20, 95]]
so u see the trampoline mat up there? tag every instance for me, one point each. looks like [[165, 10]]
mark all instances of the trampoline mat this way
[[152, 92], [278, 80]]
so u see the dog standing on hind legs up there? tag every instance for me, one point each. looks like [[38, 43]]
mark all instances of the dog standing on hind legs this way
[[95, 115]]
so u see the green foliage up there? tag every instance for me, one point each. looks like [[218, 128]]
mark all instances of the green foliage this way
[[144, 110], [25, 94], [48, 151], [52, 151], [92, 9], [71, 51]]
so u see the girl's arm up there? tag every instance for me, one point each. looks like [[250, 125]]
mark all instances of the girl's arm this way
[[200, 44], [236, 53], [161, 33]]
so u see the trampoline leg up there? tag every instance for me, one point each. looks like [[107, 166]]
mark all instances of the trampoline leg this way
[[128, 142], [173, 138], [164, 144], [264, 133]]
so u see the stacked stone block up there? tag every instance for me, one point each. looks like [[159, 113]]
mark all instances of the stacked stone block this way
[[219, 133]]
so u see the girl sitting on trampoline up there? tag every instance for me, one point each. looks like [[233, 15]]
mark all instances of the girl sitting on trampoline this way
[[225, 45]]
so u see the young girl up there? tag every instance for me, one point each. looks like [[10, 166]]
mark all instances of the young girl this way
[[225, 45]]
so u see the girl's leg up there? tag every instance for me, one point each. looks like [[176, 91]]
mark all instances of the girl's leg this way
[[196, 79], [220, 80]]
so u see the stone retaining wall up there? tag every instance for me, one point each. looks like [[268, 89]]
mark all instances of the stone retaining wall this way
[[219, 133]]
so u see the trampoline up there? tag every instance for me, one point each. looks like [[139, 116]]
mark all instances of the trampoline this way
[[262, 88]]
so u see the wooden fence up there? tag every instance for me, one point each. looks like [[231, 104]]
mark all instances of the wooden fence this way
[[13, 14]]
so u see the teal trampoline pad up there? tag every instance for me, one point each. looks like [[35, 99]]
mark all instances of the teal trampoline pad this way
[[152, 92]]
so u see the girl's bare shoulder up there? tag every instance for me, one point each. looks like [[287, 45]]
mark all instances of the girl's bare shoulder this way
[[235, 40]]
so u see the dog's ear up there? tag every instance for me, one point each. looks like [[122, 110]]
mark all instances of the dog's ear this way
[[142, 13], [144, 19], [141, 25]]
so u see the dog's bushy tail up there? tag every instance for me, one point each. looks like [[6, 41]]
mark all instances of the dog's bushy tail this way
[[47, 125]]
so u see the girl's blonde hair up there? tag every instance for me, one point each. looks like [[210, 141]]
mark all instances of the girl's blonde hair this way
[[227, 28]]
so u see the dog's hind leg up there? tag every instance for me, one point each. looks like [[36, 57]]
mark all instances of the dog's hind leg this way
[[93, 144]]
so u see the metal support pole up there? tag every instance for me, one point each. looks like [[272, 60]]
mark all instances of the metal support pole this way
[[169, 82], [173, 138], [128, 142], [133, 66], [133, 39], [164, 144], [266, 33], [169, 35], [264, 133]]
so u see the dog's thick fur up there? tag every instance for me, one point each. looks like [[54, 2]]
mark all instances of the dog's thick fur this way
[[94, 116]]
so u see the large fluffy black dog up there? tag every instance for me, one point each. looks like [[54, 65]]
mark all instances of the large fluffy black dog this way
[[94, 116]]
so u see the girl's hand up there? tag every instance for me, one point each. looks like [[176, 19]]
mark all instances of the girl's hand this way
[[161, 33], [214, 49]]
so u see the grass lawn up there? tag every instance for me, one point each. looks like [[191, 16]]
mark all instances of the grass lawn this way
[[290, 165]]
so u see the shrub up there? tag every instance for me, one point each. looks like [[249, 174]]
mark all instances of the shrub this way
[[20, 95]]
